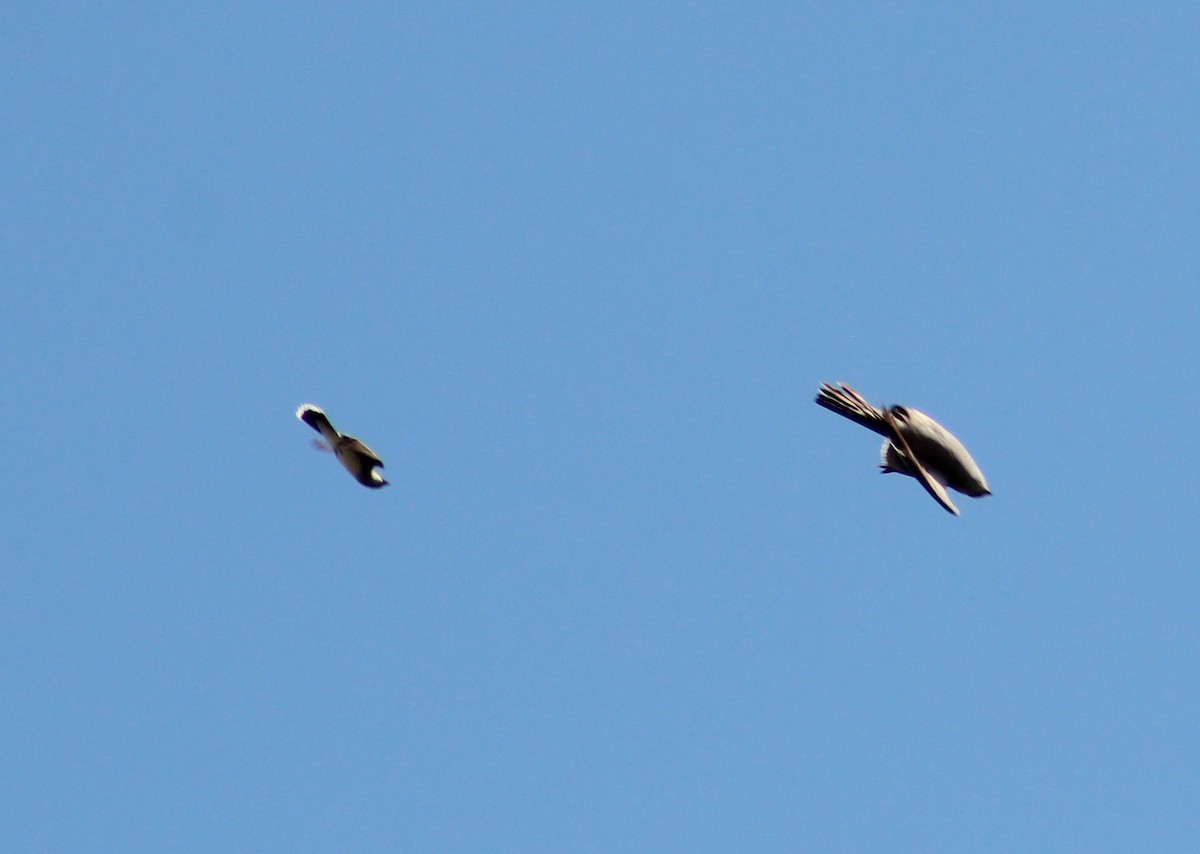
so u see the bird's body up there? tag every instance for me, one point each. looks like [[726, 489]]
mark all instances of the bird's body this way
[[356, 457], [914, 444]]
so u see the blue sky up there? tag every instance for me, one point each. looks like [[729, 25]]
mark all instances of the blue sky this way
[[576, 271]]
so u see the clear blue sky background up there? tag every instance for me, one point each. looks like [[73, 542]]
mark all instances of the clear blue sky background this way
[[576, 271]]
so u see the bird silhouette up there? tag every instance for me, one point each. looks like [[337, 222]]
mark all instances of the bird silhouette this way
[[914, 444], [356, 457]]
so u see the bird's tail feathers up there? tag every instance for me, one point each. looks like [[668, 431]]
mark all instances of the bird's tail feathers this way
[[848, 403], [315, 418]]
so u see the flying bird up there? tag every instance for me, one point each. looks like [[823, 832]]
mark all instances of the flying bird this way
[[913, 444], [356, 457]]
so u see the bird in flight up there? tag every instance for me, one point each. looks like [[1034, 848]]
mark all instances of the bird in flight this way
[[913, 444], [356, 457]]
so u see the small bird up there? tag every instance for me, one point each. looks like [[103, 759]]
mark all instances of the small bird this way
[[914, 444], [356, 457]]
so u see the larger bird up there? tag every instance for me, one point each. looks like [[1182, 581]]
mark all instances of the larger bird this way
[[357, 458], [914, 444]]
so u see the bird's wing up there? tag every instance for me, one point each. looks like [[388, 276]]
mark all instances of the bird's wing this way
[[941, 451], [848, 403], [931, 486], [351, 445]]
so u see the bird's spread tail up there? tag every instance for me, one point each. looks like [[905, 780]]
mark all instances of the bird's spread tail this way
[[315, 418], [848, 403]]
